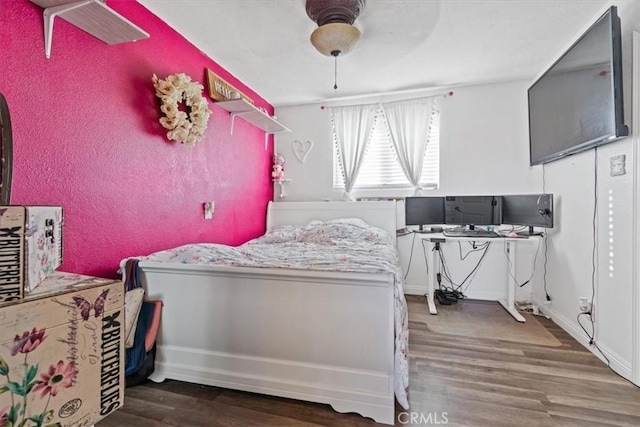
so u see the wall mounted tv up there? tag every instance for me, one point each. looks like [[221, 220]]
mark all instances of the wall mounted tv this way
[[577, 103]]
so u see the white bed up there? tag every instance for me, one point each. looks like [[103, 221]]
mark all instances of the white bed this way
[[318, 336]]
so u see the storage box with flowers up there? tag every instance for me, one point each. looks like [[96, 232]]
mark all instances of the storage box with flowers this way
[[62, 353]]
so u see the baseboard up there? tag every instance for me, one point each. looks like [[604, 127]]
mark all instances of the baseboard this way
[[367, 393], [618, 364], [485, 295], [415, 290], [472, 294]]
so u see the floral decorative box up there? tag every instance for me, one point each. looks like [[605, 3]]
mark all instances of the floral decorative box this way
[[43, 243], [30, 247], [62, 353]]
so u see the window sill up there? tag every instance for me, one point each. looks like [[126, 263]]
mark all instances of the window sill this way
[[393, 193]]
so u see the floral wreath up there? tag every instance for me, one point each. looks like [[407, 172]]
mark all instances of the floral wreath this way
[[184, 126]]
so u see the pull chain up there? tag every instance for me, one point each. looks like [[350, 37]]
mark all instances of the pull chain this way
[[335, 79], [335, 54]]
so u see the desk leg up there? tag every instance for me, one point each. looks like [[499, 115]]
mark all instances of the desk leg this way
[[432, 279], [510, 303]]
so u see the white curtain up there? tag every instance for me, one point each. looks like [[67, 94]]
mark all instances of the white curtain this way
[[409, 123], [352, 128]]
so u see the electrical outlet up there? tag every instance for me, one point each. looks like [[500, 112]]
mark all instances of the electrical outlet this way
[[584, 305], [209, 208]]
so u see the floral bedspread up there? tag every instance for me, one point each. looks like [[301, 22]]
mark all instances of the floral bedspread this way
[[346, 245]]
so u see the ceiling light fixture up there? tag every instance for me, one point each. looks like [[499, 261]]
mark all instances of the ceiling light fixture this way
[[335, 34]]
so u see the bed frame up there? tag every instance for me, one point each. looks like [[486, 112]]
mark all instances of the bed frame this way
[[316, 336]]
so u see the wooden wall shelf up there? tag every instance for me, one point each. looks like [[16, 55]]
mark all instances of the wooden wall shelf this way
[[253, 115], [92, 16]]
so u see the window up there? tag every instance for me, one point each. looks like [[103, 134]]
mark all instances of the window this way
[[381, 168]]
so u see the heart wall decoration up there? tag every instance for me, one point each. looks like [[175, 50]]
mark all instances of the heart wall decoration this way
[[301, 149]]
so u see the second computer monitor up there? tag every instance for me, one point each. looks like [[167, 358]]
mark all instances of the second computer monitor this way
[[424, 210], [532, 210], [472, 210]]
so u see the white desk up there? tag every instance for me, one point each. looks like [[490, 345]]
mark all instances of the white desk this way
[[509, 302]]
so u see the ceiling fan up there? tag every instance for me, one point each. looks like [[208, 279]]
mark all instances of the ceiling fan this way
[[335, 34]]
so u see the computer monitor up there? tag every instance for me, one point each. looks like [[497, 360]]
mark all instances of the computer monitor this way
[[423, 211], [472, 210], [532, 210]]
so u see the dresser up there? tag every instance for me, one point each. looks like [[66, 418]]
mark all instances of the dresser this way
[[62, 352]]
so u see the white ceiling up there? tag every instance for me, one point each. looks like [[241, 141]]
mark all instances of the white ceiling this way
[[405, 44]]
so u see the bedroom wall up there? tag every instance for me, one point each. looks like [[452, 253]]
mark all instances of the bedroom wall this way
[[87, 137], [483, 139], [571, 242], [483, 150], [484, 146]]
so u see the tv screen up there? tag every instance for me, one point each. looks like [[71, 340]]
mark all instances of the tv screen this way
[[532, 210], [424, 210], [472, 210], [577, 103]]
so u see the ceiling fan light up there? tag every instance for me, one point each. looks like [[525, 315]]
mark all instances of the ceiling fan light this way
[[335, 36]]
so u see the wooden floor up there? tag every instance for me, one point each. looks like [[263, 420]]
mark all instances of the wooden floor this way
[[454, 380]]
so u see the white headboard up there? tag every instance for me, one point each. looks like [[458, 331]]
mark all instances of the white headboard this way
[[381, 214]]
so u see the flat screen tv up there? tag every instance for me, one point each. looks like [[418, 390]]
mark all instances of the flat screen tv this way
[[577, 103]]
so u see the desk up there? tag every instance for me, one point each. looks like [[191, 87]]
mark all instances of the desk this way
[[509, 302]]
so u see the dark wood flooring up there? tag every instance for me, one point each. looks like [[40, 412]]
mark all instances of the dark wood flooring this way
[[458, 381]]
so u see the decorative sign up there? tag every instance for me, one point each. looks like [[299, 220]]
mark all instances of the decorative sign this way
[[221, 90], [301, 149]]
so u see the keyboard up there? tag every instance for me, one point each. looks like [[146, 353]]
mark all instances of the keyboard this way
[[469, 233]]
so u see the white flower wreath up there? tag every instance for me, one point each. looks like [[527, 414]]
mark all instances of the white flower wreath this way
[[184, 126]]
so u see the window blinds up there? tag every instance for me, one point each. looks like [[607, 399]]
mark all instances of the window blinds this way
[[381, 169]]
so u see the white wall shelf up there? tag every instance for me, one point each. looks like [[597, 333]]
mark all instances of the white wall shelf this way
[[92, 16], [282, 182], [253, 115]]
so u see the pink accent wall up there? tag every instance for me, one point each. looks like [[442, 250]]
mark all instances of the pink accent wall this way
[[87, 137]]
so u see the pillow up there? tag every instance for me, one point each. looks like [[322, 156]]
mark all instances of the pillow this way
[[328, 233], [313, 223], [279, 234], [351, 221], [342, 231]]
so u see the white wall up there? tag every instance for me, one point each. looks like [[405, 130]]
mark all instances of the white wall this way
[[483, 145], [484, 150], [570, 248], [571, 243]]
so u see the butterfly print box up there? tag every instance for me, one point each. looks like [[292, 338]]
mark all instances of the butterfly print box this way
[[62, 353], [30, 247]]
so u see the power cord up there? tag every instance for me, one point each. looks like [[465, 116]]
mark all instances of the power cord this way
[[592, 342], [446, 296], [594, 234], [591, 336], [474, 248], [424, 254], [410, 257], [533, 269], [454, 286], [544, 276]]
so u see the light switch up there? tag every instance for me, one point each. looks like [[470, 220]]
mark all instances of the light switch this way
[[209, 207]]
